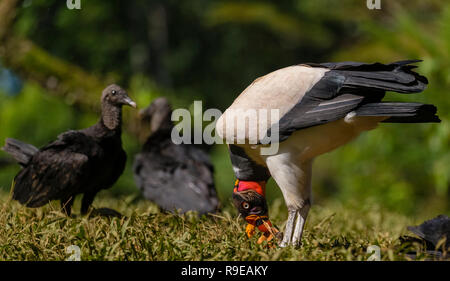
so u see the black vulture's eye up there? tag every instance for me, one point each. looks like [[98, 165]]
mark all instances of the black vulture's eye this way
[[113, 92], [245, 205]]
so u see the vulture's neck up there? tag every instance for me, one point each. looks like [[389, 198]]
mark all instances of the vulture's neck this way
[[112, 116]]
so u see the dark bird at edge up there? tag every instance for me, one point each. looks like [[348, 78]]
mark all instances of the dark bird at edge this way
[[434, 230], [78, 162], [175, 177], [430, 235]]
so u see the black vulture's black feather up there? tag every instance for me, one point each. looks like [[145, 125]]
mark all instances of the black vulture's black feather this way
[[20, 151], [78, 162], [434, 230], [175, 177]]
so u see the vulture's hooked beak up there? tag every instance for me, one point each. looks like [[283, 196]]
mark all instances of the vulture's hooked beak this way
[[130, 102]]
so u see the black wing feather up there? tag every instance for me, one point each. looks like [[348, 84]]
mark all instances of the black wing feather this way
[[344, 88], [57, 170], [176, 177], [20, 151]]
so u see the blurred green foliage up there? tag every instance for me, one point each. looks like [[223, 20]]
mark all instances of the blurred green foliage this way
[[210, 50]]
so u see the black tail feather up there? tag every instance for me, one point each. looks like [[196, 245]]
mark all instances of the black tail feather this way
[[396, 77], [20, 151], [400, 112]]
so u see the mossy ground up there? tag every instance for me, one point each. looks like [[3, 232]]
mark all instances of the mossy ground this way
[[333, 232]]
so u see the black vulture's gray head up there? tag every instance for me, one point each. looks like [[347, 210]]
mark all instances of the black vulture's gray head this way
[[158, 115], [116, 96]]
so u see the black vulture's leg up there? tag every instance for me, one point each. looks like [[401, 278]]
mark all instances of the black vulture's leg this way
[[86, 202], [66, 205]]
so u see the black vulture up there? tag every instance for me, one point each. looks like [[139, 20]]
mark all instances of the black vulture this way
[[175, 177], [314, 109], [431, 233], [78, 162]]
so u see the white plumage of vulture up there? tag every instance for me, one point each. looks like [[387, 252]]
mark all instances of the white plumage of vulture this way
[[318, 108]]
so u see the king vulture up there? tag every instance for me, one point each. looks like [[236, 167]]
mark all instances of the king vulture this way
[[308, 110]]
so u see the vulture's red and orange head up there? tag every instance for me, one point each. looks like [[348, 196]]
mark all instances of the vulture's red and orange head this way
[[249, 198]]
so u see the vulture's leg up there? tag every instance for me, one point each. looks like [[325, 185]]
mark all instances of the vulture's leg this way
[[86, 202], [294, 226], [302, 214], [288, 229], [66, 205], [293, 177]]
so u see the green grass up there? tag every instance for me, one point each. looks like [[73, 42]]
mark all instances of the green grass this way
[[333, 232]]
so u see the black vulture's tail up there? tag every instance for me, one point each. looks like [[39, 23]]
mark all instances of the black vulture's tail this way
[[400, 112], [20, 151]]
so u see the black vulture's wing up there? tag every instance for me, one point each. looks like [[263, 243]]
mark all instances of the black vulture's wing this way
[[177, 178], [56, 171]]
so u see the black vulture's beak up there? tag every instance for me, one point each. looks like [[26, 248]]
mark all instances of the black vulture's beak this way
[[130, 102]]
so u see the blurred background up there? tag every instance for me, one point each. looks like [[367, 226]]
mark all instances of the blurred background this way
[[54, 62]]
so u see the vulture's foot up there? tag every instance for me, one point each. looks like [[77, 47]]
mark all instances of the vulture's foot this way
[[294, 226]]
